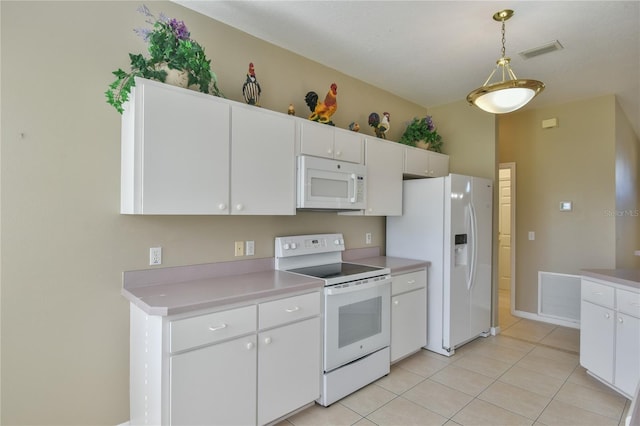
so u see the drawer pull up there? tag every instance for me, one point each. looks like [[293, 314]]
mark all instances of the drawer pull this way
[[411, 282], [294, 309], [620, 320], [597, 293], [249, 345], [607, 316], [219, 327]]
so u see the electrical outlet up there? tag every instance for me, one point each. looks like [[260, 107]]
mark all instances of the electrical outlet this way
[[367, 238], [155, 256], [239, 250], [250, 248]]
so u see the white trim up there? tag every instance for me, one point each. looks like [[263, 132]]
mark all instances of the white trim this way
[[536, 317], [127, 423]]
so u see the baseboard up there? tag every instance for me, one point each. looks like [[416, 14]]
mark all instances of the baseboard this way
[[536, 317], [494, 331], [127, 423]]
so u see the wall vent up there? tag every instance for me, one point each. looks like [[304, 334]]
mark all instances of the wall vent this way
[[559, 296], [541, 50]]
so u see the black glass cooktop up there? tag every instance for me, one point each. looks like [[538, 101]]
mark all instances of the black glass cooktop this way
[[334, 270]]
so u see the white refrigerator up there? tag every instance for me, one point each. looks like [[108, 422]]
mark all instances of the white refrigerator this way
[[448, 222]]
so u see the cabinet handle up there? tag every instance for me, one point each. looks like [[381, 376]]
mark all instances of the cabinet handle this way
[[267, 340], [249, 345], [620, 320], [411, 282], [294, 309], [218, 327], [239, 207], [607, 316], [329, 151], [222, 206], [338, 153], [396, 302]]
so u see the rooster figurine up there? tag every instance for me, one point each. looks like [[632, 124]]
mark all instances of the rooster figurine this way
[[381, 127], [322, 111], [251, 88]]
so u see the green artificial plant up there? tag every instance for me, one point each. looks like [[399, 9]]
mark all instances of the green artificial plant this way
[[170, 46], [422, 129]]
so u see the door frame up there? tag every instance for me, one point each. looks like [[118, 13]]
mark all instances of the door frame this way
[[512, 286]]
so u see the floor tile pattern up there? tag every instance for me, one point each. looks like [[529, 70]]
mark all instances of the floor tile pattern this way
[[527, 375]]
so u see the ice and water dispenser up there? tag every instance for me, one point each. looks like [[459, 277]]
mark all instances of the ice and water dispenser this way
[[460, 249]]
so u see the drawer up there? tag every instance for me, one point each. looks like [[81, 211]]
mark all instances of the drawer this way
[[628, 302], [290, 309], [597, 293], [201, 330], [407, 282]]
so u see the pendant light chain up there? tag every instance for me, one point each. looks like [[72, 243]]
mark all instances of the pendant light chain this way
[[503, 38]]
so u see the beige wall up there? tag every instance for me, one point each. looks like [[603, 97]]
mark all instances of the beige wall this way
[[574, 162], [627, 192], [64, 244]]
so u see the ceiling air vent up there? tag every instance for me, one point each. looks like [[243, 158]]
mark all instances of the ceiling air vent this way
[[541, 50]]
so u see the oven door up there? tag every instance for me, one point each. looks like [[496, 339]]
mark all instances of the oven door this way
[[357, 320]]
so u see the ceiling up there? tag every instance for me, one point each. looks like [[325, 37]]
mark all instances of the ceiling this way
[[435, 52]]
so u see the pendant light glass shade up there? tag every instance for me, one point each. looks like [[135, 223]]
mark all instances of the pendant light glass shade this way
[[510, 93]]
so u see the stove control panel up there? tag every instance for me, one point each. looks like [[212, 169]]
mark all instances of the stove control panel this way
[[298, 245]]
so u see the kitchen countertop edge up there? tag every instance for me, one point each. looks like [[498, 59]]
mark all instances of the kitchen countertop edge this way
[[626, 277]]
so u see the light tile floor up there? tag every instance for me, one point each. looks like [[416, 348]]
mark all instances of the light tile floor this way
[[527, 375]]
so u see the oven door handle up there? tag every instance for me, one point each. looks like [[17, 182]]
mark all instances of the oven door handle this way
[[334, 291]]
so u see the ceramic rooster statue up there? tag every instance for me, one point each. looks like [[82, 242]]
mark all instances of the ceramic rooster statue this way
[[251, 88], [381, 127], [322, 111]]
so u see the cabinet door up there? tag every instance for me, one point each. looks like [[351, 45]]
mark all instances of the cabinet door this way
[[214, 385], [316, 139], [438, 164], [262, 162], [416, 162], [348, 146], [180, 158], [627, 371], [288, 368], [597, 339], [408, 323], [384, 162]]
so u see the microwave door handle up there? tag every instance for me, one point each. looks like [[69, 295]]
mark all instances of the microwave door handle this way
[[354, 182]]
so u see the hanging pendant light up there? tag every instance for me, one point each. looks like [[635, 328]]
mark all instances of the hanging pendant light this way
[[509, 94]]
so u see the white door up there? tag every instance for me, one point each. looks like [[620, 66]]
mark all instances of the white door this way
[[504, 221], [480, 297]]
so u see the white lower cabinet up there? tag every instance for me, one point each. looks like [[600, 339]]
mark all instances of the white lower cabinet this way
[[610, 334], [243, 366], [213, 385], [408, 314], [288, 368]]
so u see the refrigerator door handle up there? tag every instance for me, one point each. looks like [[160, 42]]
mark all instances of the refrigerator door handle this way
[[474, 246]]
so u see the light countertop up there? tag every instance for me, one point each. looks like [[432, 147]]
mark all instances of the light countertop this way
[[175, 290], [627, 277]]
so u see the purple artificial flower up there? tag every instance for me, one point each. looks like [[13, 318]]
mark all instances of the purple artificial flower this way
[[179, 29], [429, 122]]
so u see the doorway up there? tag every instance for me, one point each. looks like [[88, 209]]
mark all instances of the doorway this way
[[506, 244]]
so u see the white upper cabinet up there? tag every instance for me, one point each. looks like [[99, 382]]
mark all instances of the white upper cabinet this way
[[384, 161], [423, 163], [185, 152], [322, 140], [262, 162], [175, 143]]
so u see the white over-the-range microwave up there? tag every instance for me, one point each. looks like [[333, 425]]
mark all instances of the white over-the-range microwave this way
[[325, 184]]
